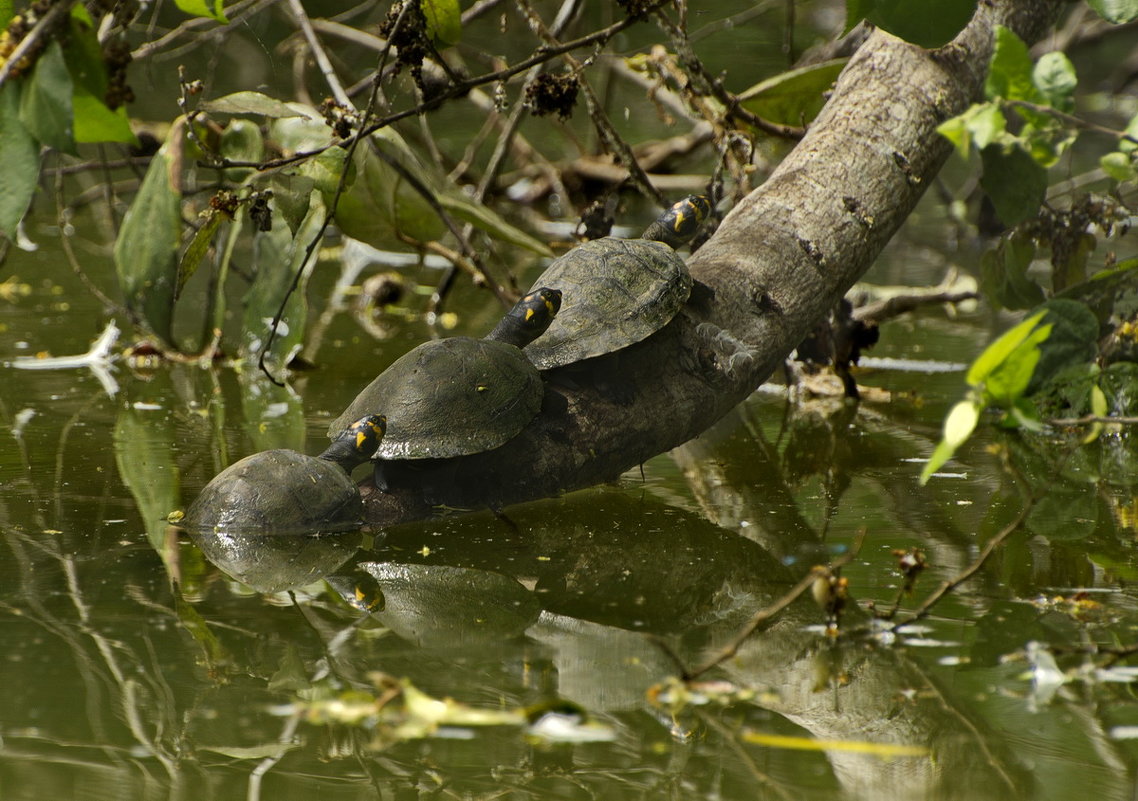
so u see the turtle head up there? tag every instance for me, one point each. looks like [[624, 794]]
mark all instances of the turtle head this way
[[680, 222], [529, 318], [357, 443]]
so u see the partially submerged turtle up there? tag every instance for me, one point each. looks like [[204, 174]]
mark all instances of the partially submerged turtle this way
[[282, 491], [618, 291], [458, 396]]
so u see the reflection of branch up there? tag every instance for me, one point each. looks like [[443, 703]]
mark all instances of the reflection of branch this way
[[968, 572]]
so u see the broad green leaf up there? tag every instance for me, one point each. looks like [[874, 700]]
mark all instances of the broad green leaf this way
[[1054, 77], [1070, 267], [241, 141], [1010, 72], [1116, 11], [1098, 409], [487, 220], [444, 20], [290, 198], [146, 251], [999, 350], [202, 8], [257, 103], [1003, 274], [1011, 377], [1118, 166], [1015, 183], [19, 154], [981, 125], [144, 453], [94, 122], [930, 23], [278, 258], [379, 206], [1073, 340], [794, 97], [45, 104], [6, 12]]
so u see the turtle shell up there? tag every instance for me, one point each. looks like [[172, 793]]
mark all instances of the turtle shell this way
[[615, 292], [277, 492], [450, 397]]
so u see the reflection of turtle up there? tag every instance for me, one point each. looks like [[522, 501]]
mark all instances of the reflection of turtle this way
[[618, 291], [457, 396], [282, 491]]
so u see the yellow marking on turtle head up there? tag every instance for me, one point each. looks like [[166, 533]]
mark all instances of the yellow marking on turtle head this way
[[529, 315]]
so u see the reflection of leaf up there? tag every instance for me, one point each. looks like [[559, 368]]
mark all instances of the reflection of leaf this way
[[144, 445], [883, 750], [273, 415], [199, 629], [258, 752], [291, 675]]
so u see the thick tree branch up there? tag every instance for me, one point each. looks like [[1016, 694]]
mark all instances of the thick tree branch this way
[[780, 260]]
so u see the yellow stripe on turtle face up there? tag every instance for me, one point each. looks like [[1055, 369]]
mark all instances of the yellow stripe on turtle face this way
[[361, 439], [529, 315]]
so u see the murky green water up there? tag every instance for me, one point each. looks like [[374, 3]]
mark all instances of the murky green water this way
[[141, 664]]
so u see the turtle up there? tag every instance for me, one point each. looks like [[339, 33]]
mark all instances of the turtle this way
[[618, 291], [459, 396], [282, 491]]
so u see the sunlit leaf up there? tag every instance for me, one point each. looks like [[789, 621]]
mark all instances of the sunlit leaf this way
[[486, 219], [94, 122], [1054, 77], [960, 423], [202, 8], [931, 23], [146, 250], [1116, 11], [1014, 181], [45, 104], [19, 154], [1065, 515], [1010, 71], [256, 103], [444, 20], [999, 350], [1119, 166], [981, 125], [1099, 408], [1010, 379], [794, 97]]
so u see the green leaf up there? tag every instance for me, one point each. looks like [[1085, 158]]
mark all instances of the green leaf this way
[[256, 103], [198, 247], [201, 8], [1116, 11], [1131, 130], [930, 23], [1011, 377], [1118, 166], [794, 97], [960, 423], [1014, 181], [1054, 77], [981, 125], [999, 350], [94, 122], [444, 20], [241, 141], [1010, 71], [45, 105], [487, 220], [1003, 274], [278, 257], [146, 250], [6, 13], [19, 154], [1073, 340]]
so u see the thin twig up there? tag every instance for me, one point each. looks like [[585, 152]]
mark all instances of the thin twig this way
[[1072, 120], [318, 53], [1088, 419]]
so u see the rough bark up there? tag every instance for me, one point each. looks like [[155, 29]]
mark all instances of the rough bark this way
[[779, 261]]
